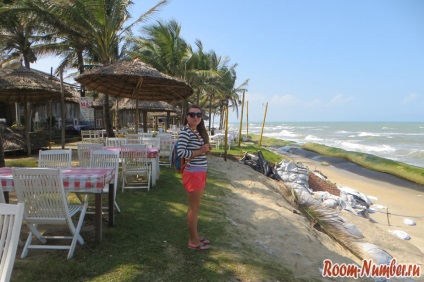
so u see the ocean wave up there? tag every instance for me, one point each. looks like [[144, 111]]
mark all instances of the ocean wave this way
[[366, 148], [284, 134], [366, 134], [312, 138]]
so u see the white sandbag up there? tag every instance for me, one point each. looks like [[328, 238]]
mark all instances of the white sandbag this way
[[353, 231], [409, 222], [380, 207], [355, 193], [331, 203], [401, 234], [304, 197], [371, 251]]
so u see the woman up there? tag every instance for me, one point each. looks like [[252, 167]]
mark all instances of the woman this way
[[193, 144]]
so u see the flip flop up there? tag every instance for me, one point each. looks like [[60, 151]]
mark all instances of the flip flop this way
[[205, 241], [201, 247]]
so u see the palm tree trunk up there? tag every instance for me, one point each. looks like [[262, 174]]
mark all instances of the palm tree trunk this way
[[107, 118]]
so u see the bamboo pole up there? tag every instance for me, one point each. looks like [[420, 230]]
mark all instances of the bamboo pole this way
[[263, 124], [247, 119], [241, 119], [226, 134]]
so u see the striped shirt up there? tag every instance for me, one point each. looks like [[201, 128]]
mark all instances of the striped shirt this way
[[189, 141]]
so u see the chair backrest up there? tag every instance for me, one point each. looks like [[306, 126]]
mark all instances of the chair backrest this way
[[166, 145], [115, 141], [42, 192], [90, 136], [106, 158], [134, 138], [164, 135], [84, 151], [134, 157], [152, 142], [146, 134], [55, 158], [10, 226]]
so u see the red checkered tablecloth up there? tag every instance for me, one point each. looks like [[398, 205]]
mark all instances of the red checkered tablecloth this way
[[151, 152], [77, 179]]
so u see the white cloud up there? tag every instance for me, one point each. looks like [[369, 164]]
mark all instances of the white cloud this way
[[283, 100], [340, 99], [410, 98]]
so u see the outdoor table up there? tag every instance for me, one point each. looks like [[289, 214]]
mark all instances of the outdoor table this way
[[79, 180], [153, 155]]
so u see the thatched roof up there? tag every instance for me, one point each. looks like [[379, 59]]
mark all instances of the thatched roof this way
[[22, 84], [14, 140], [151, 106], [163, 114], [98, 102], [134, 79]]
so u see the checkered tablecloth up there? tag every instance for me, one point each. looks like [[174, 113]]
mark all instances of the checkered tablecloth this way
[[75, 179], [151, 152]]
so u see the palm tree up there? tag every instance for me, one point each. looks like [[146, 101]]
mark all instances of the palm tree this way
[[94, 28], [19, 32]]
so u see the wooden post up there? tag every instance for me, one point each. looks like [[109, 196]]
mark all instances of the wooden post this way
[[241, 119], [62, 104], [247, 119], [388, 215], [263, 124]]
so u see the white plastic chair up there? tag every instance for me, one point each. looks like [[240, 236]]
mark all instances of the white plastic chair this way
[[151, 142], [55, 158], [84, 151], [10, 227], [90, 136], [115, 141], [146, 134], [134, 138], [136, 169], [166, 147], [107, 158], [41, 190]]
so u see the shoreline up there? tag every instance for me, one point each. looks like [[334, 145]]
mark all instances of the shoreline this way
[[352, 167], [399, 197]]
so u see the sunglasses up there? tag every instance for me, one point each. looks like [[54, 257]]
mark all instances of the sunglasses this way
[[192, 115]]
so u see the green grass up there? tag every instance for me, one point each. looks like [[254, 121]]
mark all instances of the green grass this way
[[149, 242]]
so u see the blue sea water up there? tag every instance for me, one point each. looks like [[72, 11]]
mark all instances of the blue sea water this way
[[399, 141]]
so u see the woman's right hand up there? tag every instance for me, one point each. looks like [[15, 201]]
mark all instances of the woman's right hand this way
[[206, 148]]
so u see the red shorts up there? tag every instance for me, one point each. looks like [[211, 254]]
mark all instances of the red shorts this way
[[194, 181]]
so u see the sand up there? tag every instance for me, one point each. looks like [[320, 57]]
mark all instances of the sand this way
[[267, 220]]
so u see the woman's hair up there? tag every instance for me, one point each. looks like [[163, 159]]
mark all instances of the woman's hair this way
[[201, 128]]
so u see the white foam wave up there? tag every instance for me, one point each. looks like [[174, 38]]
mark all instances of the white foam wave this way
[[284, 134], [366, 148], [313, 138], [366, 134]]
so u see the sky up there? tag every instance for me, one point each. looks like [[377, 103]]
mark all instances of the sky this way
[[310, 60]]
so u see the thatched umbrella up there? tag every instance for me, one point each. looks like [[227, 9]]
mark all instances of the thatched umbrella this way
[[27, 85], [137, 80]]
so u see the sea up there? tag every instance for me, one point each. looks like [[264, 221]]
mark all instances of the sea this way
[[398, 141]]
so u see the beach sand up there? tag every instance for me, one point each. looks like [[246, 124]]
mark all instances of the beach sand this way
[[267, 220]]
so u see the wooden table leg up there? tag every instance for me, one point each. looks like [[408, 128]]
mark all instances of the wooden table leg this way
[[98, 234], [111, 205]]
